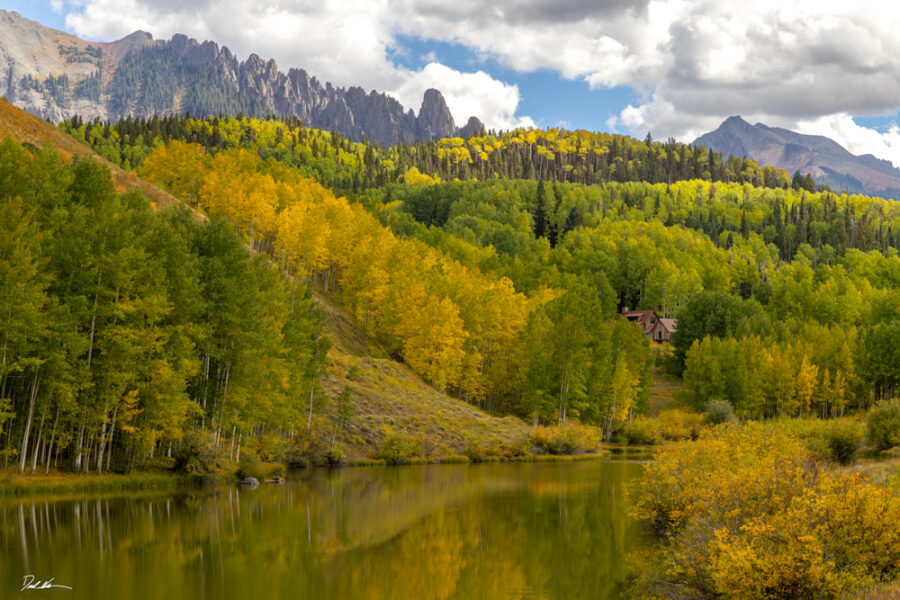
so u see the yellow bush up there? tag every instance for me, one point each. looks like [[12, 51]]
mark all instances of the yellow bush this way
[[733, 471], [746, 512], [642, 431], [834, 539], [398, 447], [678, 424], [565, 438], [832, 439]]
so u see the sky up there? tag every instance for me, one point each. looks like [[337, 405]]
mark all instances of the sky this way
[[672, 68]]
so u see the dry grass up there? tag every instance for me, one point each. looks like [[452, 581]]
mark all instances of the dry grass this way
[[879, 469], [890, 591], [389, 394], [662, 392]]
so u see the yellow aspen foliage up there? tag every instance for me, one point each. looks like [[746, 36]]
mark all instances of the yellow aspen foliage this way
[[452, 324], [807, 378], [179, 167], [624, 389], [413, 177], [433, 340]]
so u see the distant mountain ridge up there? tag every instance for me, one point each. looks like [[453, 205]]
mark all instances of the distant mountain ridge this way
[[56, 75], [827, 161]]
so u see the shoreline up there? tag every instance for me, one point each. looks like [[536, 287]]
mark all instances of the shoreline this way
[[15, 485]]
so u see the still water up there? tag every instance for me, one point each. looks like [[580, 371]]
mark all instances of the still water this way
[[541, 530]]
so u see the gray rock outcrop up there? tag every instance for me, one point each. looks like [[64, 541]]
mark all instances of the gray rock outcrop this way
[[57, 75]]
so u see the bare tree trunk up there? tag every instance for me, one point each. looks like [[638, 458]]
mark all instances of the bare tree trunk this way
[[112, 433], [80, 445], [37, 446], [52, 439], [8, 442], [3, 367], [28, 418], [312, 391], [94, 320], [102, 441]]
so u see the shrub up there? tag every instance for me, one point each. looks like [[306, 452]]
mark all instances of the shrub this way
[[195, 455], [334, 457], [487, 451], [856, 551], [733, 470], [308, 447], [719, 411], [641, 432], [514, 449], [397, 447], [564, 438], [843, 438], [455, 459], [540, 439], [475, 451], [826, 439], [884, 425], [273, 448], [249, 464], [678, 424], [272, 469], [747, 513]]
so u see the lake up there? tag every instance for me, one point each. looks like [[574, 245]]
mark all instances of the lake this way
[[489, 531]]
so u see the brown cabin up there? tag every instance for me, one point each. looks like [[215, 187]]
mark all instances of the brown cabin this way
[[654, 327]]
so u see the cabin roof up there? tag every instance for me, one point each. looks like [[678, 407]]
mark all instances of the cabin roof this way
[[670, 324], [639, 315]]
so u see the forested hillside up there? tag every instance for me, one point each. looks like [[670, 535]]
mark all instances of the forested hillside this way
[[558, 351], [132, 333], [124, 328], [798, 292], [144, 327], [786, 298], [339, 163]]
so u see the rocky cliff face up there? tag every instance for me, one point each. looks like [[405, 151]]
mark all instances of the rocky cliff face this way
[[56, 75], [826, 160]]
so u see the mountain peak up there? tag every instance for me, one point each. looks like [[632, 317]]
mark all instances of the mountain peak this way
[[434, 120], [433, 96], [138, 35], [204, 79], [826, 160]]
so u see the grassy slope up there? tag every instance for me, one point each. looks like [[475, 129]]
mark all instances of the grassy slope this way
[[664, 386], [388, 393]]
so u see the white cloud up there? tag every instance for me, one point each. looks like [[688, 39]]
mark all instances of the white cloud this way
[[856, 138], [692, 62], [345, 43], [466, 94]]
